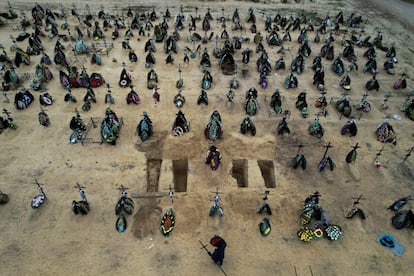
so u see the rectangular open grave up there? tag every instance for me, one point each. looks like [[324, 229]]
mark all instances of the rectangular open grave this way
[[240, 172], [268, 172], [153, 174], [180, 174]]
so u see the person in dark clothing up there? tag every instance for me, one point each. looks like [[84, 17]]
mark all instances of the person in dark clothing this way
[[218, 254]]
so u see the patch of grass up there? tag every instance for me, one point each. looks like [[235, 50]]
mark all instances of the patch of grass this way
[[409, 1]]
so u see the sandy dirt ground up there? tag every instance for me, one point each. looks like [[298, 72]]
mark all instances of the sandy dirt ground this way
[[53, 241]]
